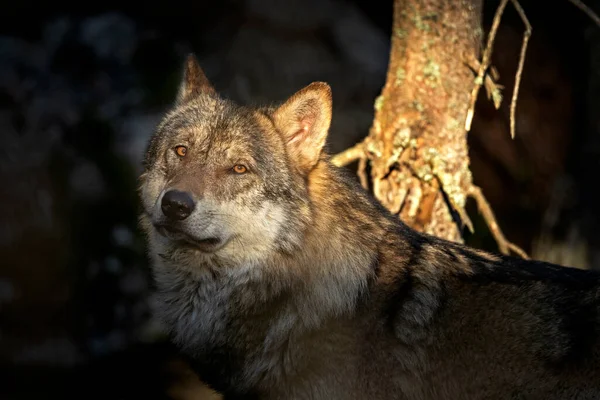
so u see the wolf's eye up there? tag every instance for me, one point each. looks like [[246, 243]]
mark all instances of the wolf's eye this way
[[239, 169], [181, 151]]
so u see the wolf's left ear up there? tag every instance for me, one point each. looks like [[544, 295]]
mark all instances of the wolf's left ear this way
[[304, 121], [194, 82]]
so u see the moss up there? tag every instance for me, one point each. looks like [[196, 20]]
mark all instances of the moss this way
[[478, 33], [420, 24], [453, 124], [402, 138], [374, 148], [432, 74], [421, 21], [424, 173], [418, 106], [379, 102], [400, 76], [497, 97], [426, 45], [401, 33]]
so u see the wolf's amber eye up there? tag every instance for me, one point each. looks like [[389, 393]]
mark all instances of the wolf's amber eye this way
[[239, 169], [181, 151]]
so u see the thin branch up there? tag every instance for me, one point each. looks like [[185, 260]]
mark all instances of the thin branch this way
[[593, 16], [488, 215], [464, 217], [349, 155], [515, 94], [517, 250], [485, 63], [362, 173], [493, 88], [462, 213]]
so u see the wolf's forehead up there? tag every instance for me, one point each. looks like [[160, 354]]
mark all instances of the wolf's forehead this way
[[214, 127], [197, 116]]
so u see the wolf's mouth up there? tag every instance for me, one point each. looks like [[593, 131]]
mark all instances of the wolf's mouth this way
[[208, 244]]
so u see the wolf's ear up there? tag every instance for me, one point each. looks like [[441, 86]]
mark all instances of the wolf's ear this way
[[304, 121], [194, 82]]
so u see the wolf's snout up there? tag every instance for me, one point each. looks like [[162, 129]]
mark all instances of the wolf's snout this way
[[177, 205]]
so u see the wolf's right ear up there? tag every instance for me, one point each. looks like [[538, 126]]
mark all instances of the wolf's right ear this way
[[194, 82], [303, 121]]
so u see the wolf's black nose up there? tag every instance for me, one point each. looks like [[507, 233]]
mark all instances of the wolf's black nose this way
[[177, 205]]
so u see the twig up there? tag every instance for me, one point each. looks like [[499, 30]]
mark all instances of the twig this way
[[485, 63], [464, 217], [493, 88], [517, 250], [515, 94], [349, 155], [462, 213], [362, 174], [593, 16], [488, 215]]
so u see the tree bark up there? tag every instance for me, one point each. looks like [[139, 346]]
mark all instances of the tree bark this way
[[417, 144]]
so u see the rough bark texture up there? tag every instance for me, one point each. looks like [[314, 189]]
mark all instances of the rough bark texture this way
[[417, 143]]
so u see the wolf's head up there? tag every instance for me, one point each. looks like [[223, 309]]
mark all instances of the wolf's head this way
[[228, 183]]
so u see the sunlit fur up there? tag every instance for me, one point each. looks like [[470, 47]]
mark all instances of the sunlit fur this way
[[319, 293]]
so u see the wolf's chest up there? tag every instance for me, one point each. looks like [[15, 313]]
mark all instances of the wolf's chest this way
[[197, 313], [200, 319]]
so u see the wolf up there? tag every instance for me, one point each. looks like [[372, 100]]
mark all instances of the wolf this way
[[279, 277]]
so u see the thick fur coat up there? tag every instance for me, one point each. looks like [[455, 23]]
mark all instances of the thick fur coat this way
[[281, 278]]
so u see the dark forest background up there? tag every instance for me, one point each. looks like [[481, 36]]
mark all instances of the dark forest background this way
[[82, 87]]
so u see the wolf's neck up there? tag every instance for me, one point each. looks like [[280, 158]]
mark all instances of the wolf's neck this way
[[340, 247]]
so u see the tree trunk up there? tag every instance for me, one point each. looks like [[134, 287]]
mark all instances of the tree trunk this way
[[417, 144]]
